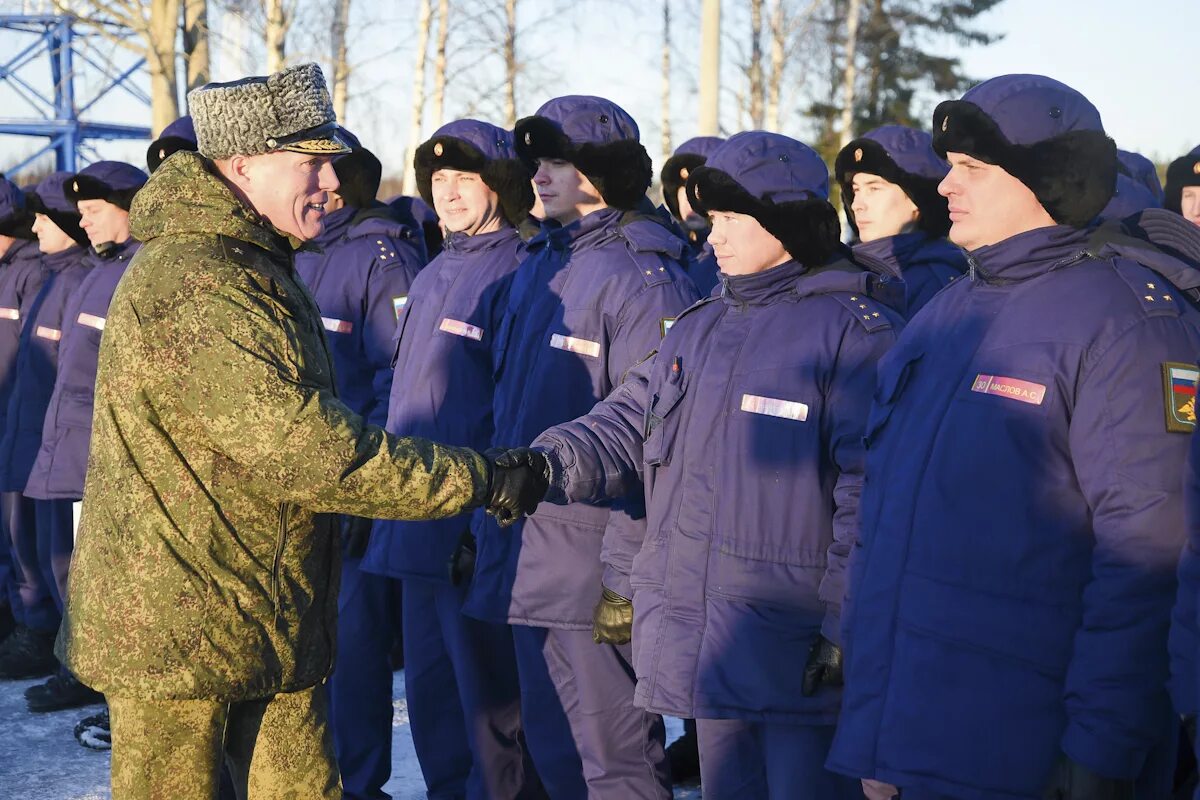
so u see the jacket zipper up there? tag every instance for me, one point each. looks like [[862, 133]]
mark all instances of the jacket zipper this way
[[277, 564], [975, 271]]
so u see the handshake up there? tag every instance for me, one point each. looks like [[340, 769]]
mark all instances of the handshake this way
[[517, 481]]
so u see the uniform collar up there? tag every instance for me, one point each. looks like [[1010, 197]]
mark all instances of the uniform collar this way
[[1028, 255], [462, 244], [588, 227], [60, 261], [21, 248], [760, 287], [890, 254], [336, 223]]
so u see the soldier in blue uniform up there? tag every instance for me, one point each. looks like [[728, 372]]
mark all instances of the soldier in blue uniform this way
[[1182, 193], [702, 268], [20, 274], [460, 673], [600, 285], [1006, 618], [889, 180], [28, 652]]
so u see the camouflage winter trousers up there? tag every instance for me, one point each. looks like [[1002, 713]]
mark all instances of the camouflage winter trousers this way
[[279, 748]]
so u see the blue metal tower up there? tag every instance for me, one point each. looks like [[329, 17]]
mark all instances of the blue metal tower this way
[[57, 113]]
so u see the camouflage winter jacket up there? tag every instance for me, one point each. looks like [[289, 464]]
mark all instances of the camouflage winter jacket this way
[[206, 565]]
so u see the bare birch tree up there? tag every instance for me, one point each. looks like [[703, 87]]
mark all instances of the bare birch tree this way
[[424, 19], [196, 42], [511, 66], [278, 22], [754, 69], [665, 124], [439, 63], [341, 67], [710, 68], [849, 74]]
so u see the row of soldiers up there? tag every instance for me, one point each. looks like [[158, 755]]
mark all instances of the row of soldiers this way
[[711, 472]]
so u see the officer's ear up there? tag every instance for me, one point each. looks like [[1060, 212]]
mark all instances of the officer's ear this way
[[237, 170]]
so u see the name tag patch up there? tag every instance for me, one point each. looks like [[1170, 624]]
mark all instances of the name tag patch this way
[[459, 328], [48, 333], [10, 313], [583, 347], [1179, 393], [398, 304], [91, 320], [337, 325], [1011, 388], [773, 407]]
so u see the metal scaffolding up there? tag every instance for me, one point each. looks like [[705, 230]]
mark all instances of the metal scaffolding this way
[[58, 111]]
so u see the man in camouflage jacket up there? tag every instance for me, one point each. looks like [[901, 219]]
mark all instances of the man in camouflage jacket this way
[[202, 599]]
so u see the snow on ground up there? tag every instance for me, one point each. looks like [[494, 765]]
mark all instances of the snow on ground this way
[[40, 759]]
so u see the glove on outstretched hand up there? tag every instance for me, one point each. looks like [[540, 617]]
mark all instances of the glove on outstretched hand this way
[[519, 479], [1073, 781], [824, 667], [612, 619]]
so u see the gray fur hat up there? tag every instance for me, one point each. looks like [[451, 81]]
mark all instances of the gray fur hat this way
[[289, 110]]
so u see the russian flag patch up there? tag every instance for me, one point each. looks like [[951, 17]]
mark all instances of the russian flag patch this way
[[1179, 396]]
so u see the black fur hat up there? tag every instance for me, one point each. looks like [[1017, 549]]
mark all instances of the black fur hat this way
[[598, 137], [359, 174], [674, 174], [1043, 133], [1184, 171], [902, 156], [781, 183], [472, 146]]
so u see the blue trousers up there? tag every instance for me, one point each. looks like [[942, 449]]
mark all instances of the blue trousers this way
[[464, 701], [585, 735], [769, 761], [34, 604], [55, 544], [460, 681]]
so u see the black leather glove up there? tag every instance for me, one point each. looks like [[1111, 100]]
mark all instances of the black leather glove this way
[[461, 566], [824, 667], [518, 482], [612, 619], [1073, 781], [356, 534]]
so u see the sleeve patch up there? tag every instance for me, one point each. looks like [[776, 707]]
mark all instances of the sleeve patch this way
[[664, 325], [398, 304], [1179, 396]]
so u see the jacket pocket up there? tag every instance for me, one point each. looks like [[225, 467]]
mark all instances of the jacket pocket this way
[[662, 423], [894, 373], [277, 561]]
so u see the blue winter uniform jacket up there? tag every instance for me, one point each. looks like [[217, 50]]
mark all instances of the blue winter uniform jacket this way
[[360, 281], [443, 382], [21, 275], [747, 427], [1022, 517], [61, 462], [37, 364], [592, 300], [926, 264]]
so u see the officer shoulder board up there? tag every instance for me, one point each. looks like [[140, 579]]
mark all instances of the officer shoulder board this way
[[646, 236], [869, 313], [1157, 296]]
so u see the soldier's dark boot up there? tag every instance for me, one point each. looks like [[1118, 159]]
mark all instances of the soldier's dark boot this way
[[27, 653], [684, 756], [61, 691], [95, 732]]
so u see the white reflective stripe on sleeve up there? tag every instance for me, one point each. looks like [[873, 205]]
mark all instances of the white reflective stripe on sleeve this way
[[572, 345], [337, 325], [91, 320], [459, 328], [772, 407], [10, 313], [48, 333]]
